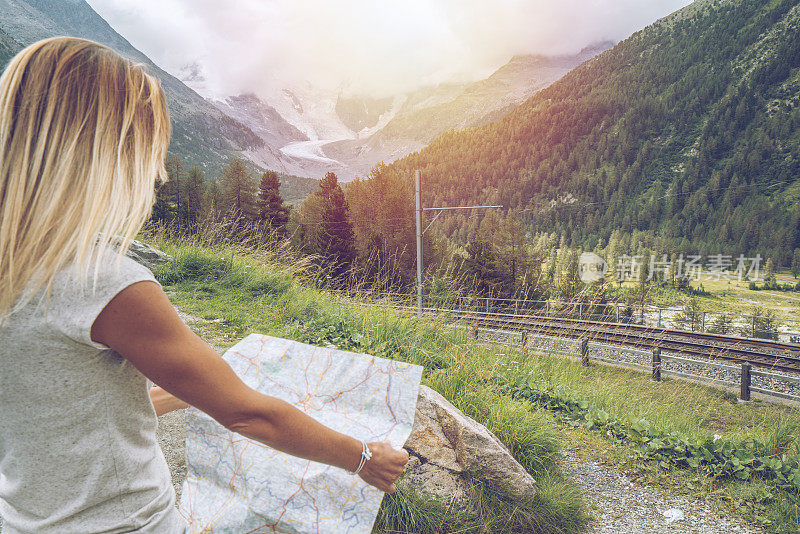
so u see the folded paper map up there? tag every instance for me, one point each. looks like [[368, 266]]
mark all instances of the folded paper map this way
[[237, 485]]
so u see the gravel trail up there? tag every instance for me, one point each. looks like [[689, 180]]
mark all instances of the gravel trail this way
[[171, 436], [626, 507]]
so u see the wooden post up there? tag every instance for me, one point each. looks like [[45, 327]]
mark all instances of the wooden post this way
[[524, 340], [744, 392], [585, 351], [703, 324], [657, 364], [617, 308], [753, 330], [659, 318]]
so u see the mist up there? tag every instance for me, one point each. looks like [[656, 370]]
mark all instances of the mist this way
[[364, 48]]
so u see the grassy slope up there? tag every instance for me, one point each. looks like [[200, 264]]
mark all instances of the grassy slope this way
[[726, 296], [239, 296], [246, 293]]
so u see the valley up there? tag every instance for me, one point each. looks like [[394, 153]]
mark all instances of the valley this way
[[643, 173], [350, 135]]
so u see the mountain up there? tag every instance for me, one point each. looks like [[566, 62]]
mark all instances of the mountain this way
[[8, 48], [351, 134], [360, 114], [686, 135], [420, 121], [202, 134], [263, 119]]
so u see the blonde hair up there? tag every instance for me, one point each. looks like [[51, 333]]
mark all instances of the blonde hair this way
[[83, 137]]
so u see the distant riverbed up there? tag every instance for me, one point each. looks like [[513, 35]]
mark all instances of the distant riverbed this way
[[311, 150]]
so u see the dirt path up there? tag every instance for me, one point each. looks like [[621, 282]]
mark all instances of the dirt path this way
[[171, 436]]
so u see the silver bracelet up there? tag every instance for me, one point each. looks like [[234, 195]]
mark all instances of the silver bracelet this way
[[366, 454]]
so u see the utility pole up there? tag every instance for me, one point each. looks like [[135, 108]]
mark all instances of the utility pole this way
[[418, 200], [421, 232]]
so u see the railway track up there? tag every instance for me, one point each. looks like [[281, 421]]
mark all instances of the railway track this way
[[761, 353]]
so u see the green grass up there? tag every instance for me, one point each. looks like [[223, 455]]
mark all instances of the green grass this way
[[685, 411], [258, 291], [239, 294], [689, 408], [731, 296], [408, 512]]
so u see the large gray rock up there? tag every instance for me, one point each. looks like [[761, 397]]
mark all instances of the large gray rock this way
[[447, 448], [146, 255]]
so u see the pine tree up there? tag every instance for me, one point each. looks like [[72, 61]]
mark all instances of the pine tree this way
[[213, 200], [571, 283], [769, 271], [338, 243], [238, 189], [383, 205], [161, 209], [175, 187], [193, 193], [271, 208], [550, 270], [511, 237], [169, 205], [482, 269], [796, 263]]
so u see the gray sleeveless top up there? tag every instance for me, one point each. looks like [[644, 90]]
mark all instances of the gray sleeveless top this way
[[78, 451]]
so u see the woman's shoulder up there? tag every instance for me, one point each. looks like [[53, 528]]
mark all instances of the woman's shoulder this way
[[78, 296], [108, 267]]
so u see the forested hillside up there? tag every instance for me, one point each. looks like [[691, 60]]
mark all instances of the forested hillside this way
[[688, 131], [201, 133], [8, 47]]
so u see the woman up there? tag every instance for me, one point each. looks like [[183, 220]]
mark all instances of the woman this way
[[83, 135]]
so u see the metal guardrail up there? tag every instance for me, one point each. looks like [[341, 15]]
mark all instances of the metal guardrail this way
[[704, 363], [581, 349]]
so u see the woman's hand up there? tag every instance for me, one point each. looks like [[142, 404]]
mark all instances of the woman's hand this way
[[385, 466]]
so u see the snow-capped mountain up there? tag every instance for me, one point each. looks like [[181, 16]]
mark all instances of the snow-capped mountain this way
[[201, 133], [299, 130], [350, 134]]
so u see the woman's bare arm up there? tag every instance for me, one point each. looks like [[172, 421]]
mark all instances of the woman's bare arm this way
[[164, 402], [141, 325]]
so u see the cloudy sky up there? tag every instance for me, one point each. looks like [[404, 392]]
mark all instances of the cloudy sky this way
[[373, 47]]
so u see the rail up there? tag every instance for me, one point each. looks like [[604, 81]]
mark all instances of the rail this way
[[737, 377], [725, 323], [588, 351], [764, 353]]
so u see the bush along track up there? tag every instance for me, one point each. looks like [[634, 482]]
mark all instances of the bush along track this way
[[717, 458]]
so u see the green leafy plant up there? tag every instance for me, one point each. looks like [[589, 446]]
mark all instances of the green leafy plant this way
[[717, 456]]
